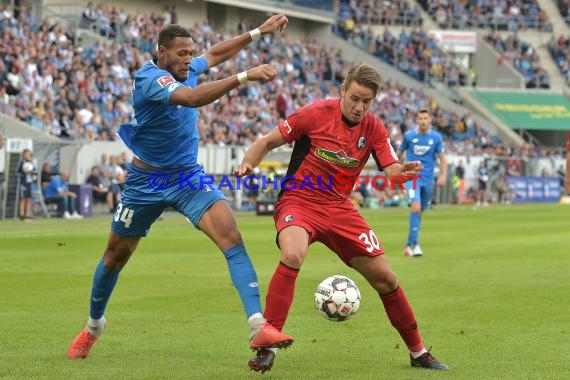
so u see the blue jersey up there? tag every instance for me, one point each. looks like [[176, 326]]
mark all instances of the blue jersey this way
[[55, 187], [163, 135], [424, 148]]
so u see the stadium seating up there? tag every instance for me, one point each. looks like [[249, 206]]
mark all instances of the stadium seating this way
[[523, 57], [560, 50], [487, 14], [94, 82]]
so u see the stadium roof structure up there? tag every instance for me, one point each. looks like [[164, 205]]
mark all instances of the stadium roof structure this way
[[527, 110], [11, 127], [292, 10]]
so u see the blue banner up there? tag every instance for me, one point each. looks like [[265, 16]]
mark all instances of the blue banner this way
[[534, 189]]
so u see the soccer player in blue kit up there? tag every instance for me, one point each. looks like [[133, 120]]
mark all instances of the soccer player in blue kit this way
[[425, 145], [164, 139]]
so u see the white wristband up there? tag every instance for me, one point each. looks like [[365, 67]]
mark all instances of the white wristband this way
[[255, 34], [242, 77]]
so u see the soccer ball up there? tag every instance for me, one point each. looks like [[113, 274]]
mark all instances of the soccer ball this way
[[337, 298], [27, 167]]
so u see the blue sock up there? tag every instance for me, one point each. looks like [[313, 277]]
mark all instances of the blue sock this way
[[104, 281], [415, 222], [244, 278]]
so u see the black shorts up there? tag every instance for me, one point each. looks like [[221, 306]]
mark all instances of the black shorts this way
[[25, 190]]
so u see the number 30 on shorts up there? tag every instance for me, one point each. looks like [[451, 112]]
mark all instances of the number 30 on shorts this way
[[124, 215], [369, 240]]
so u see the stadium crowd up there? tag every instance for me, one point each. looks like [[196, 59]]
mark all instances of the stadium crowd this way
[[52, 82], [522, 56], [377, 12], [560, 50], [564, 7], [482, 14]]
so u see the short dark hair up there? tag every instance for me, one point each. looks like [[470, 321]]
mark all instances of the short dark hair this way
[[424, 110], [170, 32], [365, 75]]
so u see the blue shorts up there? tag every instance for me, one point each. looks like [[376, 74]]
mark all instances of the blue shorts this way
[[420, 191], [147, 193]]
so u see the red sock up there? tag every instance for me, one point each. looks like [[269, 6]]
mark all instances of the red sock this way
[[402, 318], [280, 295]]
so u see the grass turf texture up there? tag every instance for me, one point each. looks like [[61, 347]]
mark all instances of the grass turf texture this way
[[490, 295]]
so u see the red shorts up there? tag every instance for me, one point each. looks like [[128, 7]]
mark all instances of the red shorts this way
[[341, 228]]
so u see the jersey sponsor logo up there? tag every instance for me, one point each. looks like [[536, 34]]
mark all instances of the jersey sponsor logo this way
[[164, 80], [288, 126], [420, 150], [361, 142], [289, 218], [338, 158]]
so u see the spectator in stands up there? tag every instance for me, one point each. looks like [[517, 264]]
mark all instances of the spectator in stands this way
[[27, 173], [502, 188], [89, 16], [124, 162], [117, 173], [106, 179], [104, 163], [58, 192], [45, 176], [101, 193], [282, 103], [173, 14]]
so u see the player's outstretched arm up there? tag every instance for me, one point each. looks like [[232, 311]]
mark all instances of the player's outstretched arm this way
[[258, 150], [224, 50], [211, 91]]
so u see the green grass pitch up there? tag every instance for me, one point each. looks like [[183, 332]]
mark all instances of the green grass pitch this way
[[491, 295]]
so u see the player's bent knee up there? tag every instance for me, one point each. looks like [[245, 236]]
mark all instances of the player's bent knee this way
[[384, 281], [292, 260], [233, 236], [115, 261]]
